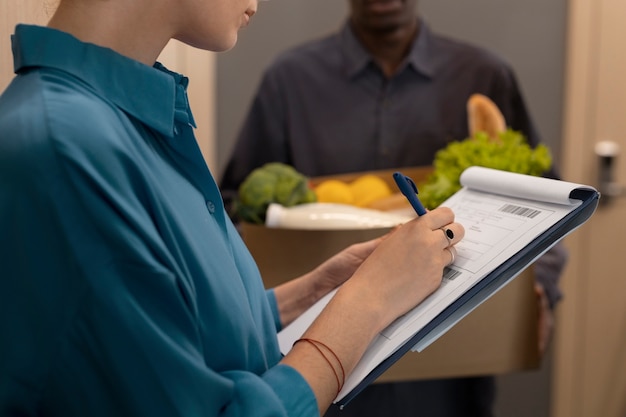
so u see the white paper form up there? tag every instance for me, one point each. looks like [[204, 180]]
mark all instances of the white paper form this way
[[497, 226]]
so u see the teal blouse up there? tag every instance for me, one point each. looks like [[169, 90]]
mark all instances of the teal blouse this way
[[125, 290]]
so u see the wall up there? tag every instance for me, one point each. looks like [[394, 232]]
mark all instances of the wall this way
[[529, 34]]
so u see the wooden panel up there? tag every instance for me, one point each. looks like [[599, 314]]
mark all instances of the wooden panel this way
[[11, 13]]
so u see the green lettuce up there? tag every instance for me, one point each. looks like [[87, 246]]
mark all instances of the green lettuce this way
[[511, 153]]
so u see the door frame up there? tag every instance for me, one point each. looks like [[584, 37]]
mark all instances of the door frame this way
[[576, 389]]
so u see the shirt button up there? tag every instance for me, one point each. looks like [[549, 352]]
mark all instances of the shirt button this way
[[211, 206]]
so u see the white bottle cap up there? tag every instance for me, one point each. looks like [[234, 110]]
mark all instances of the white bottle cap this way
[[274, 215]]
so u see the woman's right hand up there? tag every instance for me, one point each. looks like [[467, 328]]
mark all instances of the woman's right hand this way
[[404, 269], [406, 266]]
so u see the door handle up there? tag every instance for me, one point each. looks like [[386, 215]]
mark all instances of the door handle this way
[[607, 152]]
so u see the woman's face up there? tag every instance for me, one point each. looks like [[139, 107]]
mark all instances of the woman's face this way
[[213, 24]]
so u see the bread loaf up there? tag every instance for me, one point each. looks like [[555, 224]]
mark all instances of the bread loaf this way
[[484, 116]]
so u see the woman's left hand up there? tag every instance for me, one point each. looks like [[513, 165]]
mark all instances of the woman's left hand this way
[[339, 268], [295, 296]]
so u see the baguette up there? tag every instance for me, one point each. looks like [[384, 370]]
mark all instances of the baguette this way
[[484, 116]]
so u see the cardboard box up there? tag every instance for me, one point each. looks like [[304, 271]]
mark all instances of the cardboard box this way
[[500, 336]]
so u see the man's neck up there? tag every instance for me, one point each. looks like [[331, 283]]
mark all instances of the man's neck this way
[[389, 49]]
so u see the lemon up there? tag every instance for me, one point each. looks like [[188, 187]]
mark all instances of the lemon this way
[[369, 188], [334, 191]]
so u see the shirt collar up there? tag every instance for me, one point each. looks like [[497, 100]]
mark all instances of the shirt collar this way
[[162, 97], [357, 57]]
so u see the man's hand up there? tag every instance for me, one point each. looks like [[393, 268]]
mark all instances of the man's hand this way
[[546, 319]]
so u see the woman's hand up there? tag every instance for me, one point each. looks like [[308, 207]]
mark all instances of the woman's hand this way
[[336, 270], [390, 276], [295, 296], [407, 265]]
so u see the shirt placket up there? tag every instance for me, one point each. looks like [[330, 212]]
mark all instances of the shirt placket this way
[[384, 141], [192, 160]]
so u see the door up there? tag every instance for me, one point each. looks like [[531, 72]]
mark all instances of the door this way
[[590, 343]]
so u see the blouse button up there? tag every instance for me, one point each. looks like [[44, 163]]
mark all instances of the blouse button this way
[[211, 206]]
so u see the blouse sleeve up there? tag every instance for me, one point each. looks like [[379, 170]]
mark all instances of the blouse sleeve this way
[[135, 350], [271, 298]]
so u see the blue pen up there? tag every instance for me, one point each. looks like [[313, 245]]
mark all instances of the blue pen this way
[[409, 189]]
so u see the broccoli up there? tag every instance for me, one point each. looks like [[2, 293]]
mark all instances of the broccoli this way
[[272, 183]]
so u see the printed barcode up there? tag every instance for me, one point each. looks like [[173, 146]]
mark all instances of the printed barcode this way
[[520, 211], [450, 274]]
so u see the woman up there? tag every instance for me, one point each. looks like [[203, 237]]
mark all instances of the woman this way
[[129, 291]]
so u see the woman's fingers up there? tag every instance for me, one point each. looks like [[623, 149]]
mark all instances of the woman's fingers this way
[[448, 234], [452, 251], [446, 231], [407, 265], [441, 220], [438, 217]]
